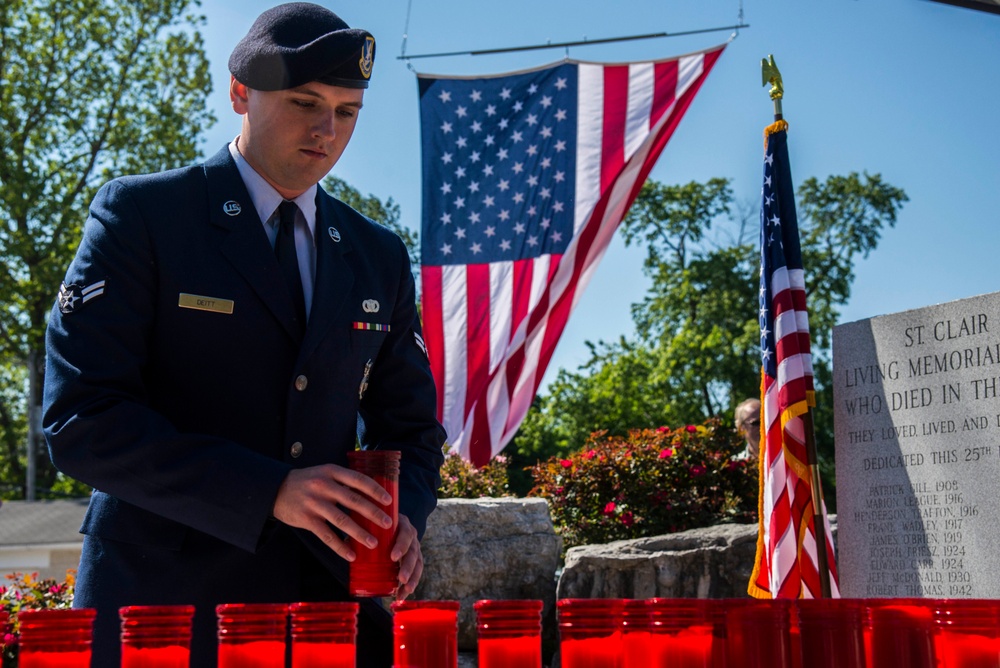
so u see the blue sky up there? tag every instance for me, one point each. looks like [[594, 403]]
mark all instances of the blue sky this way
[[906, 88]]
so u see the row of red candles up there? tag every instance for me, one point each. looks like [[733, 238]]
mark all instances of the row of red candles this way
[[593, 633]]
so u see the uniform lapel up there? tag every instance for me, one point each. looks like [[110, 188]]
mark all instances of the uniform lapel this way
[[334, 276], [244, 242]]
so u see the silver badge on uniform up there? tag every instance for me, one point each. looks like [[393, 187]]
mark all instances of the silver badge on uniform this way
[[334, 234], [364, 380], [232, 208], [370, 306]]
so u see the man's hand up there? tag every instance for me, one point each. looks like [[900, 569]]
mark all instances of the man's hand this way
[[411, 561], [320, 497]]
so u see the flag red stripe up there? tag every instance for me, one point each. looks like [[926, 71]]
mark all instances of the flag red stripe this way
[[667, 131], [558, 318], [523, 273], [664, 89], [479, 444], [477, 334], [433, 328], [615, 113]]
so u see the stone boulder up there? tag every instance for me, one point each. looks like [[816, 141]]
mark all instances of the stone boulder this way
[[713, 562], [497, 549]]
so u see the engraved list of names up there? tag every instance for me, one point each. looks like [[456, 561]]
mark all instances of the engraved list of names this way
[[917, 428]]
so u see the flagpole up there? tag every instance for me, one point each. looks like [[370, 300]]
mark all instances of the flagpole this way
[[771, 75], [819, 521]]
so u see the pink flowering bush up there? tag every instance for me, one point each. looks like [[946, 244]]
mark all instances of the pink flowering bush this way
[[25, 591], [651, 482], [461, 480]]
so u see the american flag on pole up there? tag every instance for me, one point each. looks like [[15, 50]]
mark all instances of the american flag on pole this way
[[526, 176], [787, 560]]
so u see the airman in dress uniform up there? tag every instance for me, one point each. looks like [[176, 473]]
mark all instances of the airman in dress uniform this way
[[225, 335]]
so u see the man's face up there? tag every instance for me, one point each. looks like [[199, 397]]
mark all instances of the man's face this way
[[751, 425], [294, 137]]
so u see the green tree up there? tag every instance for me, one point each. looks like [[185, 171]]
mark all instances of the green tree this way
[[387, 213], [696, 353], [89, 90]]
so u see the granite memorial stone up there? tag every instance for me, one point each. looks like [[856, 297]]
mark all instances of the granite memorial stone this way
[[917, 432]]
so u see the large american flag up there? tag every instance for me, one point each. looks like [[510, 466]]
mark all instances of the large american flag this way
[[526, 176], [787, 563]]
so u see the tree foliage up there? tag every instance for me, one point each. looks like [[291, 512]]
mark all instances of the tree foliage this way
[[386, 213], [697, 349], [89, 90]]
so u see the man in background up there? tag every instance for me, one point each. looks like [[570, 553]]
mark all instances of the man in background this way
[[747, 417]]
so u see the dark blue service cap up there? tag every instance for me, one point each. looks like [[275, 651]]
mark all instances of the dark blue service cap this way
[[298, 42]]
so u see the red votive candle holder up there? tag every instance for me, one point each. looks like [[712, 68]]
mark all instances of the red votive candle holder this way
[[509, 633], [899, 632], [681, 633], [759, 634], [252, 635], [967, 633], [157, 636], [590, 632], [373, 572], [324, 635], [55, 638], [831, 632], [425, 634], [720, 634], [636, 636]]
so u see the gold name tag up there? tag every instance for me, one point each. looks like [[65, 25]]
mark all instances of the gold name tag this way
[[200, 303]]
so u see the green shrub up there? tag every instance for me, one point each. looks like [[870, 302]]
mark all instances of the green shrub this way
[[461, 480], [651, 482]]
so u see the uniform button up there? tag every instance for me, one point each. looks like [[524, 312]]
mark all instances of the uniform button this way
[[301, 382], [296, 449]]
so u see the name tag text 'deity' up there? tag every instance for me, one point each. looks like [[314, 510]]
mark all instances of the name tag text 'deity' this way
[[202, 303]]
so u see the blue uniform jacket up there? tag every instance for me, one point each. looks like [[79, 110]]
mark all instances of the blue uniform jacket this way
[[176, 386]]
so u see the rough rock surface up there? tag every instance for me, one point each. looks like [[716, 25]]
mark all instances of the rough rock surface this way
[[713, 562], [488, 548]]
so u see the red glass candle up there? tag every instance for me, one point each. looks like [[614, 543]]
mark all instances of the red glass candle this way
[[681, 633], [831, 633], [967, 633], [156, 636], [373, 572], [324, 635], [252, 635], [898, 632], [759, 634], [510, 633], [56, 638], [636, 637], [717, 620], [425, 634], [590, 632]]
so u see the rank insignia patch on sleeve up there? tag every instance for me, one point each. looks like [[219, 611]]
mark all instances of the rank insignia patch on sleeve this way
[[420, 343], [72, 297]]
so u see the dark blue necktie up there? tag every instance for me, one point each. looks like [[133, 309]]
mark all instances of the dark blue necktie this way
[[284, 249]]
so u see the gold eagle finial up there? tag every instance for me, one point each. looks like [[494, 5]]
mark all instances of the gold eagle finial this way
[[769, 74]]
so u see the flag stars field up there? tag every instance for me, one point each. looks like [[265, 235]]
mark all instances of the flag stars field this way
[[521, 162]]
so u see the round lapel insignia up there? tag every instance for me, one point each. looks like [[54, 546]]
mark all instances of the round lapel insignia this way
[[232, 208], [334, 234]]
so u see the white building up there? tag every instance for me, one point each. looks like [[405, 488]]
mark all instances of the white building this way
[[41, 536]]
